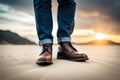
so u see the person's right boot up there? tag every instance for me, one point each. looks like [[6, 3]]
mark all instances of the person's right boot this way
[[45, 57]]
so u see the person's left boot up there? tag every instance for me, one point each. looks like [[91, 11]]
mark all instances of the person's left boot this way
[[67, 51]]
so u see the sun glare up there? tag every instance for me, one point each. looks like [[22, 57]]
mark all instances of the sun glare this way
[[100, 36]]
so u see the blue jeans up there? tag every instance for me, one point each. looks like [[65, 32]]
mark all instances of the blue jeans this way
[[44, 21]]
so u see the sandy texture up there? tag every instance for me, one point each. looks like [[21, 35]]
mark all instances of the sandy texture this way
[[18, 63]]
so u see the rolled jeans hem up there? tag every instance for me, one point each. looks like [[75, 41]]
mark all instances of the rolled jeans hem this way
[[41, 42], [64, 39]]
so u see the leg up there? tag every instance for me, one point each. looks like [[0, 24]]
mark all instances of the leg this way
[[44, 24], [66, 13]]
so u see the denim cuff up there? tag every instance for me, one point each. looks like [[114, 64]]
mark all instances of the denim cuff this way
[[64, 39], [44, 41]]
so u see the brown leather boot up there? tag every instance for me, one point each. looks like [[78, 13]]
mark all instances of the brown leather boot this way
[[46, 55], [67, 51]]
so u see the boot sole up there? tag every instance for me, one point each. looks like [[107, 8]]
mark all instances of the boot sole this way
[[44, 62], [59, 56]]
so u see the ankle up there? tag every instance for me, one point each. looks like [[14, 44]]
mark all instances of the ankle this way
[[47, 47]]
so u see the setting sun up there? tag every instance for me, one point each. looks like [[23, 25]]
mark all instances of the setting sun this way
[[100, 36]]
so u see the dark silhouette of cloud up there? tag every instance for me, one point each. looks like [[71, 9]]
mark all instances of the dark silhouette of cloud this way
[[20, 3], [25, 5], [110, 8]]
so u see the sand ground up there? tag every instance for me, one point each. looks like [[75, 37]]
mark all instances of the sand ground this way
[[17, 62]]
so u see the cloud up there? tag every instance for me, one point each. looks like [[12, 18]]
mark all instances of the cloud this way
[[10, 14], [24, 5], [99, 15], [108, 13], [110, 8], [15, 20]]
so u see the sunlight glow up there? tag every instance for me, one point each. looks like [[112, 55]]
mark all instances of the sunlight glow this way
[[83, 32], [100, 36]]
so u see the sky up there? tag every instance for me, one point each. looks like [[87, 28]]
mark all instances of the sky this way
[[92, 16]]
